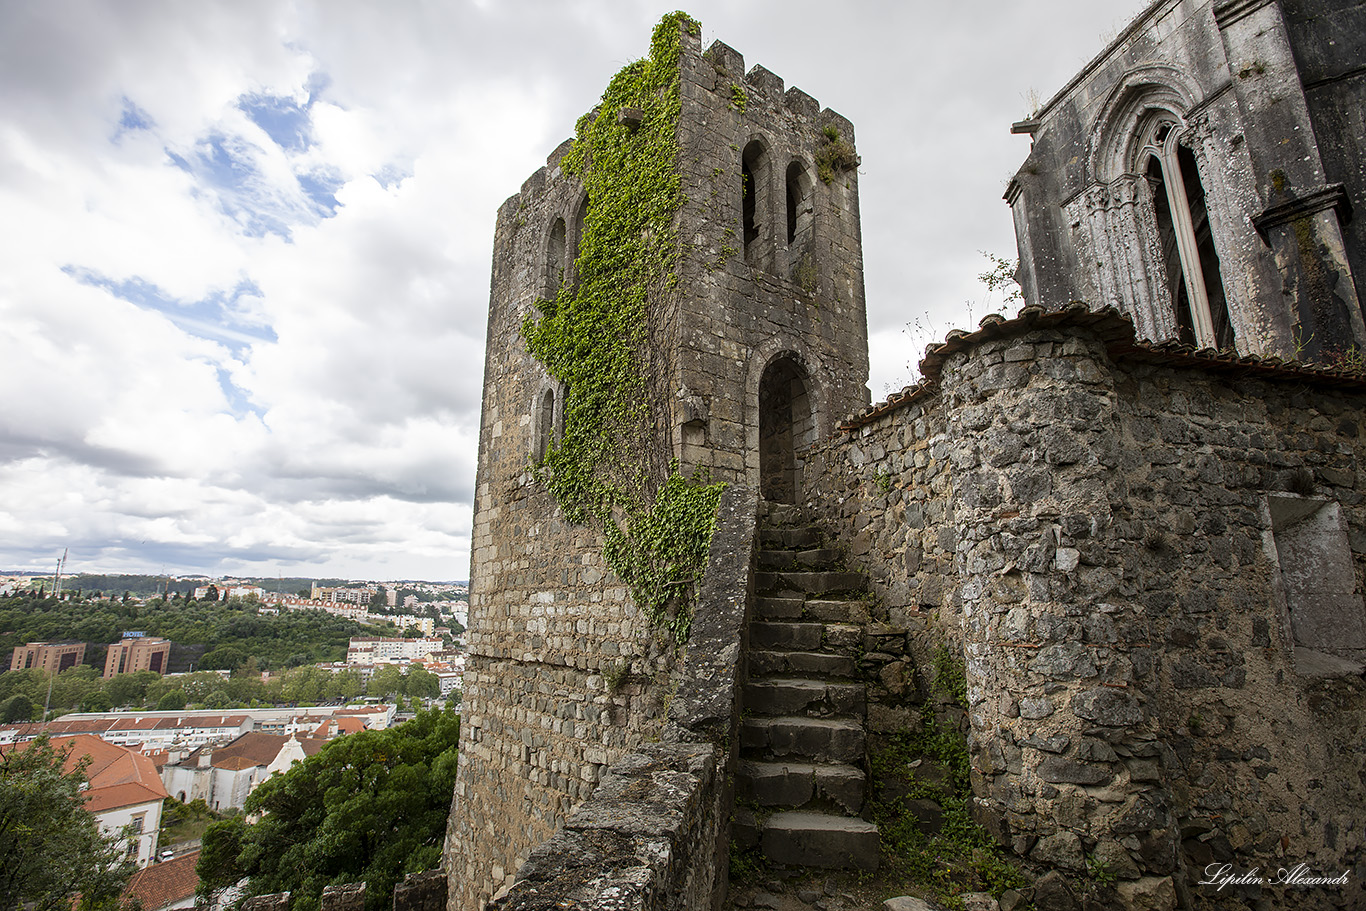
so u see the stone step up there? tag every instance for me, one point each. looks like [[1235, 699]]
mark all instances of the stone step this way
[[799, 607], [832, 611], [802, 537], [795, 696], [799, 560], [780, 607], [783, 636], [810, 664], [820, 840], [816, 739], [814, 583], [795, 784], [781, 514]]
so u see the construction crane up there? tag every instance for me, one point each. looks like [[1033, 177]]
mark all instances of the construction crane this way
[[57, 579]]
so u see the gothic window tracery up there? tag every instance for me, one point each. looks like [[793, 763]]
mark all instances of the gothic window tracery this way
[[1186, 244]]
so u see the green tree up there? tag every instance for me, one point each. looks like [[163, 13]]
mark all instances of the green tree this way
[[371, 806], [172, 701], [18, 707], [130, 689], [217, 866], [223, 658], [50, 847], [386, 681], [96, 701], [422, 683]]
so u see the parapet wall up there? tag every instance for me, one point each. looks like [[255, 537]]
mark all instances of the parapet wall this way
[[1106, 532], [655, 834]]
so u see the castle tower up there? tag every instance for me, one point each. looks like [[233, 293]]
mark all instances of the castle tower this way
[[685, 281]]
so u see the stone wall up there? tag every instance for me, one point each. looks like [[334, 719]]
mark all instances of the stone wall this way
[[794, 292], [655, 834], [564, 675], [1092, 524]]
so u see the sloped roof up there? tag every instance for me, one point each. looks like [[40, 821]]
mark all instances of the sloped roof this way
[[344, 725], [164, 884], [129, 794], [311, 745], [118, 776], [253, 748]]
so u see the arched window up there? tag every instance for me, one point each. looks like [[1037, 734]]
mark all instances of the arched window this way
[[756, 232], [1187, 250], [554, 259], [800, 221]]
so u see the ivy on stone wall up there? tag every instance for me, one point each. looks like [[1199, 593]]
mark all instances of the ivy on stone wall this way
[[609, 467]]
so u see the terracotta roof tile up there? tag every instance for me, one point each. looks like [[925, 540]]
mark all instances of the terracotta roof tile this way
[[253, 748], [1116, 331], [165, 883]]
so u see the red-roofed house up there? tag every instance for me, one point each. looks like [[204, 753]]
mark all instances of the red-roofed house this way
[[224, 776], [165, 886], [335, 727], [125, 793]]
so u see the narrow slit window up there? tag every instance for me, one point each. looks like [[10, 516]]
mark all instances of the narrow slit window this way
[[545, 426], [757, 233]]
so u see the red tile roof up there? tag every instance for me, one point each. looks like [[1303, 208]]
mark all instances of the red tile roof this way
[[253, 748], [118, 776], [164, 884]]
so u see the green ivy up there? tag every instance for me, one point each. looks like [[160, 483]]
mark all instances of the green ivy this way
[[961, 857], [606, 469]]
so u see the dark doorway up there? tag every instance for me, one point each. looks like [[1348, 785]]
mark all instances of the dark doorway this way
[[786, 430]]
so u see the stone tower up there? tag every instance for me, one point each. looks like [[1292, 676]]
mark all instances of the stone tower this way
[[755, 347]]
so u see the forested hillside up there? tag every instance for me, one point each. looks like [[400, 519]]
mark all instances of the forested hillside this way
[[230, 631]]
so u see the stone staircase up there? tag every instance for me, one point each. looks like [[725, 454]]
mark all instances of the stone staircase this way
[[802, 776]]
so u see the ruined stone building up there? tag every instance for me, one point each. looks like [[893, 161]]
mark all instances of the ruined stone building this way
[[1199, 176], [1128, 512]]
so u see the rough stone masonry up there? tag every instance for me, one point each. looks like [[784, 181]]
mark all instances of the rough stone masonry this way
[[1138, 521]]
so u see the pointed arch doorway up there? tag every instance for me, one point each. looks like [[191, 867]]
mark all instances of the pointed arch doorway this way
[[786, 428]]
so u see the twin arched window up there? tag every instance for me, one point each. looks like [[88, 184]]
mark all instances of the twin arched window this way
[[562, 251], [1187, 252], [777, 246]]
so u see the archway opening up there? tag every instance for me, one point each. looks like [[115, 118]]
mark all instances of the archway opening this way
[[786, 429]]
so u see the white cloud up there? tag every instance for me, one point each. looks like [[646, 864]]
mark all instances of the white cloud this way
[[211, 366]]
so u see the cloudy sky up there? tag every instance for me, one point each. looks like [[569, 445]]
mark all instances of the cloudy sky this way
[[244, 246]]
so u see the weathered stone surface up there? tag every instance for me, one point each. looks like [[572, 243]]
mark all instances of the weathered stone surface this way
[[1052, 893], [818, 840], [1066, 771], [1104, 705], [1101, 533], [1063, 850], [906, 903], [350, 897], [1151, 893]]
